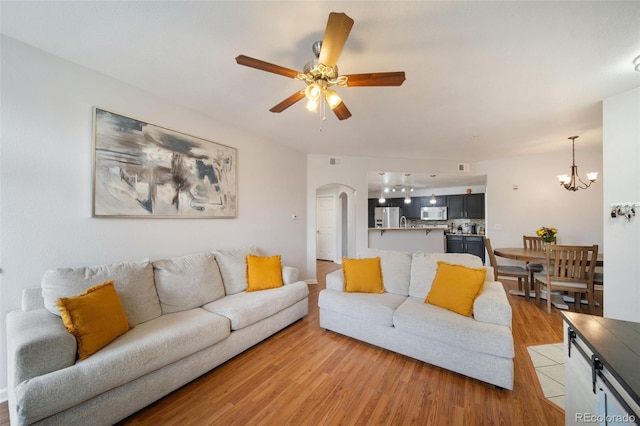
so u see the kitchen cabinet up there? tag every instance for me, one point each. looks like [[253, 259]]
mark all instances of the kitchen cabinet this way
[[441, 201], [602, 381], [465, 206], [371, 210], [412, 210], [472, 244]]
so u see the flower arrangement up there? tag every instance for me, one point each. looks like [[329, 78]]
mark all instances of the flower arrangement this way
[[548, 235]]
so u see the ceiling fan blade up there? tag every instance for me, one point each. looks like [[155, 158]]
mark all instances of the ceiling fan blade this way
[[376, 79], [341, 111], [265, 66], [335, 36], [288, 102]]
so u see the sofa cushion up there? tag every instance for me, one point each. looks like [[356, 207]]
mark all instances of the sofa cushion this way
[[95, 318], [233, 267], [424, 265], [373, 308], [263, 272], [362, 275], [148, 347], [396, 269], [133, 281], [244, 309], [440, 325], [187, 282], [455, 287]]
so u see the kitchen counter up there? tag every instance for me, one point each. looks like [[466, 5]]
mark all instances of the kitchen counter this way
[[414, 228], [426, 238]]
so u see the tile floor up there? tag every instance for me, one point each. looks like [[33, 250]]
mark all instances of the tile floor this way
[[548, 361]]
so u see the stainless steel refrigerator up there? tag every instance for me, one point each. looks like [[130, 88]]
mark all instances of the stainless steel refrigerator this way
[[388, 217]]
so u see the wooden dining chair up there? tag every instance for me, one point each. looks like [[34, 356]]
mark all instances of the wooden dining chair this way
[[533, 243], [508, 270], [570, 269]]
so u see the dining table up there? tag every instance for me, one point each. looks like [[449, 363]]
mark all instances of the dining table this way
[[538, 256]]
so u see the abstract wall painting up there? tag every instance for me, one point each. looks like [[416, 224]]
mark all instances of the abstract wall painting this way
[[144, 170]]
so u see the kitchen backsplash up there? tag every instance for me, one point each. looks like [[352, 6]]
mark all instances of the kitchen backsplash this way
[[456, 226]]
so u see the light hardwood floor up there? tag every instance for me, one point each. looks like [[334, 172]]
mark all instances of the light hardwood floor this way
[[304, 375]]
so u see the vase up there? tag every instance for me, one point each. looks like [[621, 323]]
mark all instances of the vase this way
[[545, 244]]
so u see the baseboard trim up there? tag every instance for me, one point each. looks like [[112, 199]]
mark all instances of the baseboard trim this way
[[3, 395], [311, 281]]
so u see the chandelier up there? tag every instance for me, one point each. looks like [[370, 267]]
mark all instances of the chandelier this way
[[573, 182]]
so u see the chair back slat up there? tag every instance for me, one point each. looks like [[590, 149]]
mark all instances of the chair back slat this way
[[532, 242], [572, 263]]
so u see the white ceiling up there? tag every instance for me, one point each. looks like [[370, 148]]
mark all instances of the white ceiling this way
[[484, 79]]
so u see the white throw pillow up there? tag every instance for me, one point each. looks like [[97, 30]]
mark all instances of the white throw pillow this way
[[396, 269], [233, 267], [133, 282], [187, 282]]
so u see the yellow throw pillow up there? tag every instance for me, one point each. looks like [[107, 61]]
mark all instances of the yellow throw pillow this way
[[362, 275], [263, 272], [455, 287], [95, 318]]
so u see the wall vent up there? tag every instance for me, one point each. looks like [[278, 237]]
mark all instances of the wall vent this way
[[463, 167], [333, 161]]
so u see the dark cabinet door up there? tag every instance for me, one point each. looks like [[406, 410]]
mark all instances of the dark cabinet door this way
[[475, 245], [441, 201], [371, 210], [455, 244], [455, 207], [465, 206], [412, 210], [466, 244], [474, 204]]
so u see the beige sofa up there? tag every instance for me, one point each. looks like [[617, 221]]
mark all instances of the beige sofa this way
[[190, 314], [480, 346]]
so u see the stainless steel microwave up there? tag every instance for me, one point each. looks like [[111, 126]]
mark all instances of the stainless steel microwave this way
[[433, 213]]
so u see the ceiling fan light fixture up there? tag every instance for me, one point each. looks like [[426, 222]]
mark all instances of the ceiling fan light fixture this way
[[332, 98], [312, 105], [313, 91]]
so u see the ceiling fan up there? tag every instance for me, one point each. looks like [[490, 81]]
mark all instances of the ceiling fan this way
[[322, 73]]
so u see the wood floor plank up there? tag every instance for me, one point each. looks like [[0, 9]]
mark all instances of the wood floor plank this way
[[305, 375]]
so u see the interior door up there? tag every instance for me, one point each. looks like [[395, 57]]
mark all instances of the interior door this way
[[326, 228]]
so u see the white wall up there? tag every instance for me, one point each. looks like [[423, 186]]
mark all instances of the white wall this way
[[621, 135], [45, 179], [541, 201]]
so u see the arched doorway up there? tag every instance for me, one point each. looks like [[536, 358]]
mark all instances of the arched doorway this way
[[335, 222]]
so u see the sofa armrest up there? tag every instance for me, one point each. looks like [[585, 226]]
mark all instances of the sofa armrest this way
[[492, 305], [32, 299], [335, 280], [37, 343], [289, 275]]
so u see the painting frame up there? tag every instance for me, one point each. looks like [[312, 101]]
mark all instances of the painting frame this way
[[144, 170]]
